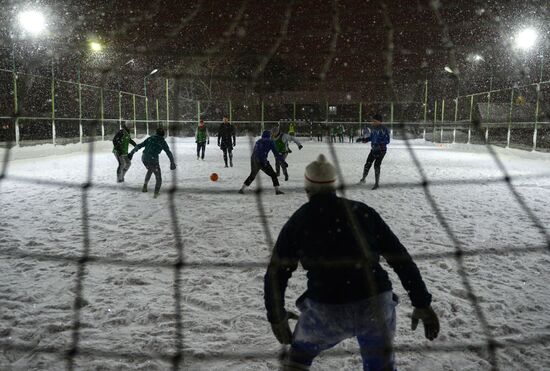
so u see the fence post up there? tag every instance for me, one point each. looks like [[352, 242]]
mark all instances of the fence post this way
[[537, 108], [442, 119], [509, 134], [262, 115], [102, 114], [456, 119], [134, 113], [435, 120], [146, 116], [391, 120], [80, 131], [167, 110], [119, 110], [425, 108], [158, 113], [230, 112], [53, 104], [470, 123], [294, 112], [198, 111], [360, 119], [16, 107], [488, 115]]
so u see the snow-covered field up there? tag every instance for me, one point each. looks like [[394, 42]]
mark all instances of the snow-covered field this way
[[130, 309]]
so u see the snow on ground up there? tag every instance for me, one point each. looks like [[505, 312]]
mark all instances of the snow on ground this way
[[131, 309]]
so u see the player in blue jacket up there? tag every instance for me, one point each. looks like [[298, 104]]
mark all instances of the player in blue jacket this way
[[379, 137], [259, 161]]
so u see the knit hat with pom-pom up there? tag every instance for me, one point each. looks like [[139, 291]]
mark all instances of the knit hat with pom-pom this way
[[320, 176]]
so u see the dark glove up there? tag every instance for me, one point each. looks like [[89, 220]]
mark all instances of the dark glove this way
[[430, 320], [284, 165], [281, 329], [234, 144], [130, 155], [173, 166], [208, 142], [300, 147]]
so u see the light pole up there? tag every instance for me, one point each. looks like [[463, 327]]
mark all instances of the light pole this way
[[147, 99], [525, 40]]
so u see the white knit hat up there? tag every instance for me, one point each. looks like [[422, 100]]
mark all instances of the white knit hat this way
[[320, 176]]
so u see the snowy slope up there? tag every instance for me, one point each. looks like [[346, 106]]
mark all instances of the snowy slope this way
[[130, 309]]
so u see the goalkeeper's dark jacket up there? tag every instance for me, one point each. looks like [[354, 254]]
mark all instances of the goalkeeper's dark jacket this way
[[320, 237]]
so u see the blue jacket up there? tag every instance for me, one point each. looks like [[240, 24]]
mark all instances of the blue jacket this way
[[379, 138], [321, 238], [262, 148]]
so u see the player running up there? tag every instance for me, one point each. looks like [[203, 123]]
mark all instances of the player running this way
[[281, 144], [259, 161], [154, 145], [227, 140], [379, 137]]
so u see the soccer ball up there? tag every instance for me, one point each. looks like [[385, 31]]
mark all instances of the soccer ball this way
[[214, 177]]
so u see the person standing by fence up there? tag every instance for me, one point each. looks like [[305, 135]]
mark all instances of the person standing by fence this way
[[120, 148], [227, 140], [201, 138]]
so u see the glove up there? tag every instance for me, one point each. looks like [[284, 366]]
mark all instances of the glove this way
[[284, 165], [208, 142], [234, 144], [430, 320], [281, 329], [130, 155], [173, 166], [300, 147]]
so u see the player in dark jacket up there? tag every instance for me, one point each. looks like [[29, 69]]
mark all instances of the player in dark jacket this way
[[379, 138], [339, 243], [259, 161], [154, 145], [227, 140], [121, 141]]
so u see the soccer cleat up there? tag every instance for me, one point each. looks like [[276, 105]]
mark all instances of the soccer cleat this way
[[362, 181], [241, 192], [286, 177], [226, 165], [156, 195], [144, 188], [375, 186], [277, 192]]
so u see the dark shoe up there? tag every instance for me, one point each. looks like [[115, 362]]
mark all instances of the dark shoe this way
[[241, 192], [362, 181], [286, 177], [156, 195], [226, 165], [277, 192], [375, 186], [144, 188]]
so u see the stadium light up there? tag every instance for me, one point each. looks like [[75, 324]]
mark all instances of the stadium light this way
[[478, 58], [33, 22], [525, 39], [96, 46], [145, 80]]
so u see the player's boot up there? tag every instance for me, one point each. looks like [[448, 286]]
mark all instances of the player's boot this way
[[156, 194], [376, 177], [231, 161], [279, 192], [144, 188]]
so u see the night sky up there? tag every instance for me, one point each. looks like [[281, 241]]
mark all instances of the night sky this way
[[300, 45]]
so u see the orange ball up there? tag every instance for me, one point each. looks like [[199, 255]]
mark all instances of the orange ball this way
[[214, 177]]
